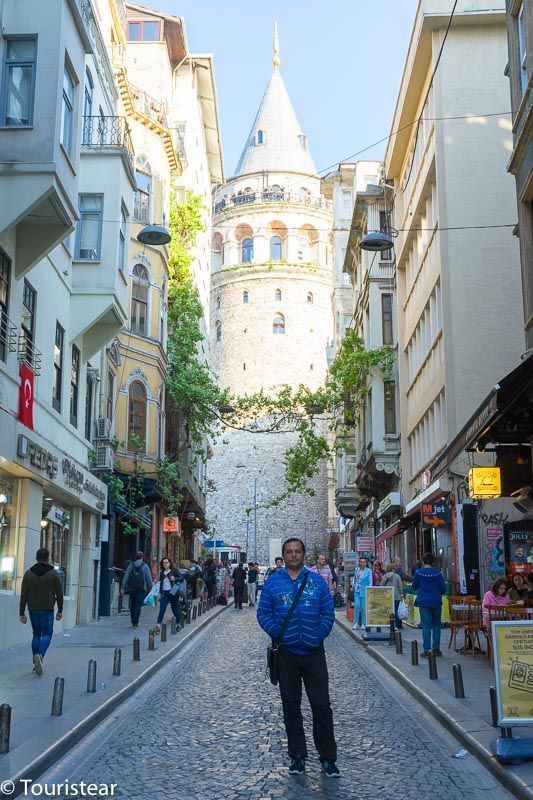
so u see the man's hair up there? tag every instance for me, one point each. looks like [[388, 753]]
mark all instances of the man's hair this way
[[42, 554], [428, 558], [292, 539], [250, 563], [397, 558], [139, 554], [389, 568]]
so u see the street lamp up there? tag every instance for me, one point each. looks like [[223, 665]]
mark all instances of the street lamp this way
[[376, 242], [154, 235]]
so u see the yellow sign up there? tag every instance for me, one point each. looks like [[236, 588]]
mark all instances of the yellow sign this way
[[484, 482], [513, 665], [379, 606]]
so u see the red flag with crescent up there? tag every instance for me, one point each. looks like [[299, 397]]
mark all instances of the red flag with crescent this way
[[26, 396]]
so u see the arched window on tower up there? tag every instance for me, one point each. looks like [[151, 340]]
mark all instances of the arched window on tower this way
[[217, 251], [303, 249], [247, 251], [218, 302], [275, 248], [261, 137], [218, 331], [245, 296], [139, 300], [137, 411], [278, 295], [309, 297], [278, 324]]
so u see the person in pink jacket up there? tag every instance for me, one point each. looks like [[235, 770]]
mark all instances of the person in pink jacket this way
[[496, 596]]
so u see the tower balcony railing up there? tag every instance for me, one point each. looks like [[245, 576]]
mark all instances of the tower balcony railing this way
[[271, 196], [107, 133]]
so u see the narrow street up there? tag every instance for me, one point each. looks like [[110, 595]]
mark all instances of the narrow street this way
[[209, 727]]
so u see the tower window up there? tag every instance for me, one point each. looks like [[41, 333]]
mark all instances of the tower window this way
[[245, 297], [278, 324], [218, 331], [309, 297], [261, 137], [278, 294], [218, 302], [303, 140], [275, 248], [247, 251]]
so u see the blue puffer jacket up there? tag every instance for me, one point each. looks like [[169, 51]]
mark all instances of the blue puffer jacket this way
[[312, 619], [431, 587]]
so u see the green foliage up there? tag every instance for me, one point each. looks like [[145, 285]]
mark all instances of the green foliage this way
[[115, 487], [169, 479]]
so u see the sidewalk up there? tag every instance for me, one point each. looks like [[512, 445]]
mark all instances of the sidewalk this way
[[469, 719], [37, 738]]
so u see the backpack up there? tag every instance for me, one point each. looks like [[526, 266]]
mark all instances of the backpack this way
[[136, 579]]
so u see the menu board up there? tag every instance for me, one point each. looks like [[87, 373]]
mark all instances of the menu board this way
[[379, 605], [513, 667]]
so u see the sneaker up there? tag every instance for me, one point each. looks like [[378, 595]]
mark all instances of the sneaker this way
[[38, 664], [424, 654], [356, 627], [297, 766], [330, 769], [437, 652]]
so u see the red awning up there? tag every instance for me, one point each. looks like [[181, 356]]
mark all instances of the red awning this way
[[392, 530]]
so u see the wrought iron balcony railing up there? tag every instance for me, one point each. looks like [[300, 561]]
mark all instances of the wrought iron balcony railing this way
[[105, 133], [271, 196]]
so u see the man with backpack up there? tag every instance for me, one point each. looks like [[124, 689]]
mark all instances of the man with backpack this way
[[138, 582]]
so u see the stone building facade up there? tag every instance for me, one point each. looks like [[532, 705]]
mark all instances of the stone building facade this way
[[271, 321]]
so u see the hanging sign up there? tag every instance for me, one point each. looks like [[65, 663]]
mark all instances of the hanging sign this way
[[513, 668], [365, 544], [484, 482], [171, 525], [434, 515]]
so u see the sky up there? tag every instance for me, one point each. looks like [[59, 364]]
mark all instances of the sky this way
[[341, 60]]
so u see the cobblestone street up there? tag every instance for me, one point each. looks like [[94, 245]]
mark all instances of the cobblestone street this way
[[209, 727]]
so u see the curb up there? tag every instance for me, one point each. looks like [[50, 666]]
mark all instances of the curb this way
[[511, 782], [46, 759]]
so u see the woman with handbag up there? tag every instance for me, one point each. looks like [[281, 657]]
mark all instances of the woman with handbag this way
[[391, 578], [168, 591]]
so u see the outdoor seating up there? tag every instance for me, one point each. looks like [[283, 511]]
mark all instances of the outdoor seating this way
[[458, 616]]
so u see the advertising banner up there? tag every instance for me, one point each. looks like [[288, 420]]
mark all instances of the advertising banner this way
[[518, 548], [513, 668], [379, 605]]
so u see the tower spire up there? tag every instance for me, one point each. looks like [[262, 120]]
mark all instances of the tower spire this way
[[275, 59]]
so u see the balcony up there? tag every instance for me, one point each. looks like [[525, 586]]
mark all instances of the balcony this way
[[349, 500], [28, 353], [148, 106], [109, 134], [269, 196]]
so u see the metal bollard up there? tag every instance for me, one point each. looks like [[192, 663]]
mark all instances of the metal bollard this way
[[5, 727], [493, 706], [136, 649], [199, 614], [151, 640], [117, 661], [399, 643], [91, 677], [188, 617], [174, 626], [458, 686], [194, 612], [392, 629], [57, 697], [432, 664], [164, 632], [414, 653]]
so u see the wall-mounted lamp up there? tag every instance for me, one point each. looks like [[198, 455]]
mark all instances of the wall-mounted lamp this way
[[3, 498]]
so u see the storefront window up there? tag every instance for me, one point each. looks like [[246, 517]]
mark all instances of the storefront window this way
[[55, 536], [7, 532]]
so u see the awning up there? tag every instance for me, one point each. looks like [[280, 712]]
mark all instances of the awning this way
[[505, 417], [388, 533]]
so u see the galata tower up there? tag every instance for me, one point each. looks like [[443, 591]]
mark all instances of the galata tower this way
[[271, 321]]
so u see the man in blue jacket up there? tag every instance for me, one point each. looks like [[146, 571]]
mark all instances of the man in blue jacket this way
[[430, 586], [301, 654]]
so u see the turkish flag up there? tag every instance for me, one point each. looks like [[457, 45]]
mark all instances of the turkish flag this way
[[26, 396]]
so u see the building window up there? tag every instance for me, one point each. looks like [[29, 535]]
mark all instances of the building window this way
[[386, 319], [346, 204], [87, 106], [110, 394], [310, 297], [137, 411], [245, 297], [303, 140], [218, 302], [58, 367], [67, 112], [278, 295], [139, 300], [303, 249], [74, 385], [385, 227], [218, 331], [122, 238], [55, 527], [275, 248], [389, 389], [89, 231], [143, 177], [247, 251], [144, 30], [8, 537], [5, 270], [18, 88], [278, 325], [29, 303], [261, 137], [522, 49]]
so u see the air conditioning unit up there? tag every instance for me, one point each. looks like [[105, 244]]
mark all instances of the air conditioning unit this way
[[104, 457], [102, 428]]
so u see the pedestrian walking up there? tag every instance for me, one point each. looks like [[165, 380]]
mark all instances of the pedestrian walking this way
[[391, 578], [41, 589], [399, 570], [322, 569], [301, 655], [168, 591], [239, 582], [253, 575], [361, 579], [430, 585], [377, 573], [138, 582], [278, 564], [210, 577]]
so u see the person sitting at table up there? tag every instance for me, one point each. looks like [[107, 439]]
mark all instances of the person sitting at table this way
[[496, 596], [519, 589]]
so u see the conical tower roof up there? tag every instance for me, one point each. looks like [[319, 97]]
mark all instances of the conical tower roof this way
[[276, 141]]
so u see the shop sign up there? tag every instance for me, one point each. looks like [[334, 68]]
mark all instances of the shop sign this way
[[80, 482], [484, 482], [171, 525], [434, 515], [350, 556], [392, 500], [39, 458], [365, 544], [379, 606], [513, 667]]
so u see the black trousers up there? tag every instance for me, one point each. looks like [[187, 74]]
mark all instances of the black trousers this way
[[238, 593], [313, 671]]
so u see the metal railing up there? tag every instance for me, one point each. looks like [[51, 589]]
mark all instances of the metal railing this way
[[149, 106], [270, 196], [8, 336], [104, 133], [29, 354]]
